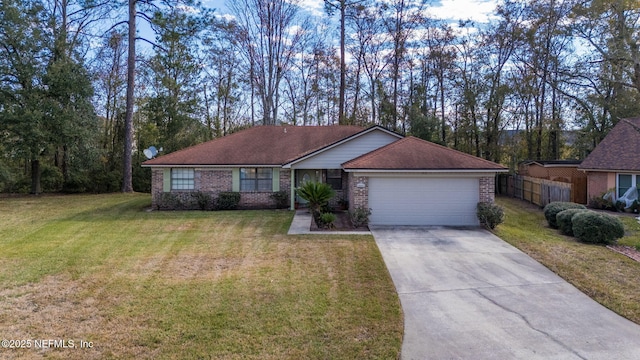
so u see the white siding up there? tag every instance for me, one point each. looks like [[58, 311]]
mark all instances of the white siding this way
[[423, 201], [332, 158]]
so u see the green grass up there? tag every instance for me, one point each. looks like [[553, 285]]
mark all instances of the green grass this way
[[608, 277], [632, 231], [165, 285]]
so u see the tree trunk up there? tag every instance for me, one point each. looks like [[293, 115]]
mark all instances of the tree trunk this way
[[343, 66], [127, 181], [35, 177]]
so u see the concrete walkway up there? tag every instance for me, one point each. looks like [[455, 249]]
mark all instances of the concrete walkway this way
[[301, 225], [466, 294]]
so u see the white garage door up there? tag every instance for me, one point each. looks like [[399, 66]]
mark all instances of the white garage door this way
[[423, 201]]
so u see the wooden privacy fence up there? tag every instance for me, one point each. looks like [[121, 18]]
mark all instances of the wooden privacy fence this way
[[534, 190]]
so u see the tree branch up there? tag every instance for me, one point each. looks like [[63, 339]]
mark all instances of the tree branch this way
[[115, 25], [152, 43]]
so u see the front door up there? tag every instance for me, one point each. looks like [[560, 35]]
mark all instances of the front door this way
[[306, 175]]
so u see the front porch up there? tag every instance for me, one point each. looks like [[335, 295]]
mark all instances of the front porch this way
[[337, 178]]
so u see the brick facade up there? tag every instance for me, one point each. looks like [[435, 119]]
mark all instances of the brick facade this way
[[487, 189], [213, 181], [156, 187], [209, 183], [358, 195]]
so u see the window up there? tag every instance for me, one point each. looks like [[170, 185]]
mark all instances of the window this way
[[334, 178], [625, 181], [256, 179], [182, 179]]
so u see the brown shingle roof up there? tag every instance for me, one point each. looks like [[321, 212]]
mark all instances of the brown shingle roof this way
[[412, 153], [619, 150], [260, 145]]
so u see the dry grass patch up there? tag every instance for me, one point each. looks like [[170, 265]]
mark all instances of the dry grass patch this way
[[606, 276], [227, 285]]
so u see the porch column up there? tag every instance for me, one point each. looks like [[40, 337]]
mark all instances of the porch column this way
[[292, 196]]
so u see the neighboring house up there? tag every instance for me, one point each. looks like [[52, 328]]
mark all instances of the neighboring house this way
[[554, 170], [404, 181], [615, 162], [565, 171]]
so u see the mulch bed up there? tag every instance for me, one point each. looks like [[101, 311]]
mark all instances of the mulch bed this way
[[342, 223], [628, 251]]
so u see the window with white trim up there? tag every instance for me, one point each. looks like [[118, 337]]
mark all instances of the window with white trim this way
[[256, 179], [182, 179], [624, 182]]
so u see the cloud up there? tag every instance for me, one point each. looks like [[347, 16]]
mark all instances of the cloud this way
[[313, 7], [477, 10]]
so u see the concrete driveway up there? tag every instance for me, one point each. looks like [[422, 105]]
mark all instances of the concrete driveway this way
[[466, 294]]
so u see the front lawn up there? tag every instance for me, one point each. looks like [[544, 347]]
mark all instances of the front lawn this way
[[227, 285], [607, 277]]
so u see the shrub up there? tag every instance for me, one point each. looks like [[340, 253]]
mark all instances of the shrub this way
[[228, 200], [603, 201], [326, 220], [490, 215], [281, 199], [563, 219], [169, 201], [51, 178], [360, 216], [317, 195], [553, 208], [597, 228], [203, 200]]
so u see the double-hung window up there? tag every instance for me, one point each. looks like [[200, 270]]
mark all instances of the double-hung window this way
[[182, 179], [256, 179]]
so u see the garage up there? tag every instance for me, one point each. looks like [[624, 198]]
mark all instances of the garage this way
[[445, 201], [415, 182]]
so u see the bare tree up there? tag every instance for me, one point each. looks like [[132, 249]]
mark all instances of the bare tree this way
[[270, 31], [400, 18]]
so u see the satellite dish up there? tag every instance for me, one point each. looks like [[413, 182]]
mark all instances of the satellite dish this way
[[151, 152]]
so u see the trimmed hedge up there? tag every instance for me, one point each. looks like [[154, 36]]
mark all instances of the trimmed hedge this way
[[597, 228], [553, 208], [563, 219], [228, 200], [490, 215]]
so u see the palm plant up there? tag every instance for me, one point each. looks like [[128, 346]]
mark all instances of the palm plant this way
[[317, 195]]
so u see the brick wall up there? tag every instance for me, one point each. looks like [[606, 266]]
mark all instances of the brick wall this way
[[156, 187], [487, 189], [211, 182], [597, 184], [285, 180], [358, 196]]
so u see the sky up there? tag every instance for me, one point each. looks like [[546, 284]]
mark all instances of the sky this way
[[479, 11]]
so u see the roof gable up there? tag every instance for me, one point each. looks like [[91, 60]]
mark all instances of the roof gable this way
[[412, 153], [347, 148], [259, 145], [618, 150]]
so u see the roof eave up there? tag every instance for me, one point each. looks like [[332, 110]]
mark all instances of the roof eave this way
[[210, 165], [608, 170], [464, 171]]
